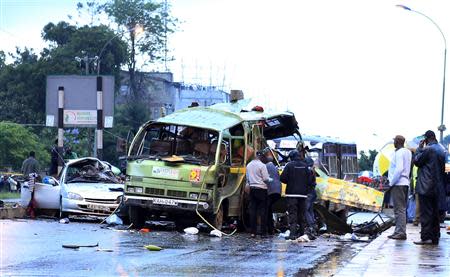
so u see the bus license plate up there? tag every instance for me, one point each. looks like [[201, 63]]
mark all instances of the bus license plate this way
[[162, 201]]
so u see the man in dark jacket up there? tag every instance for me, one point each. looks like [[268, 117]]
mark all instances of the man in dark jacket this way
[[430, 160], [299, 180]]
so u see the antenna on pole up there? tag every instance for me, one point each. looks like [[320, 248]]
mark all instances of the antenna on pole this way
[[210, 73], [223, 81], [165, 35], [182, 70]]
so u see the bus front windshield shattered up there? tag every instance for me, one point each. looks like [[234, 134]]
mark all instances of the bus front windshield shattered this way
[[158, 141]]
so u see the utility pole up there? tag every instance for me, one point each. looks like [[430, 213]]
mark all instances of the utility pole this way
[[87, 60]]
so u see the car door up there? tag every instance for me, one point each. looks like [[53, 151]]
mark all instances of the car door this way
[[47, 195]]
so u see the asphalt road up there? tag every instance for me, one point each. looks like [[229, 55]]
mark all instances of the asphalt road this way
[[34, 248]]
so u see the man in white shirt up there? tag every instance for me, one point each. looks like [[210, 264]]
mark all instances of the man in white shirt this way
[[399, 172]]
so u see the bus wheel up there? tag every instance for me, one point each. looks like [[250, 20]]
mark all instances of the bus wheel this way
[[216, 220], [136, 215]]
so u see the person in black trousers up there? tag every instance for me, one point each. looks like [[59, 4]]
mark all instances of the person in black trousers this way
[[299, 180], [273, 188], [430, 160], [257, 180]]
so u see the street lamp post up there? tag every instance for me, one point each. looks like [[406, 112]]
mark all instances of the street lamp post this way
[[441, 127], [136, 29]]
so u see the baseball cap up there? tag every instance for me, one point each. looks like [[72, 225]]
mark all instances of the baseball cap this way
[[400, 138], [429, 134]]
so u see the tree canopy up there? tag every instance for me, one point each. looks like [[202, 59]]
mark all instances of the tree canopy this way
[[23, 80], [16, 142], [366, 161]]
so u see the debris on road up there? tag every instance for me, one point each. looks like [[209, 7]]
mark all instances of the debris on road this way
[[191, 231], [104, 250], [145, 230], [285, 234], [215, 233], [75, 246], [354, 237], [64, 220], [152, 247], [114, 220]]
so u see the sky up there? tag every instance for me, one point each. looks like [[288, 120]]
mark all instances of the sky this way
[[360, 70]]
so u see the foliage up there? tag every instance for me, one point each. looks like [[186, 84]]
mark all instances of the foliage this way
[[16, 142], [153, 17], [23, 81], [366, 161], [9, 195]]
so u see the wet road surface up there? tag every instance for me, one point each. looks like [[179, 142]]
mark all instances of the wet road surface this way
[[387, 257], [34, 248]]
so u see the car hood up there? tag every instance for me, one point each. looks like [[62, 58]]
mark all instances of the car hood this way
[[95, 190]]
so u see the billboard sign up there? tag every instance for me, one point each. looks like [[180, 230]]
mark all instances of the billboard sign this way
[[80, 100], [80, 117]]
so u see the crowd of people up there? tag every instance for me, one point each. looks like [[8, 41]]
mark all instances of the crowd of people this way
[[427, 183], [264, 183]]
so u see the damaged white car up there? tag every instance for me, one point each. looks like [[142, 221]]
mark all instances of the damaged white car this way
[[85, 186]]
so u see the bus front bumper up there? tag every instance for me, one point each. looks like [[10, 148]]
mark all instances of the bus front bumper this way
[[158, 203]]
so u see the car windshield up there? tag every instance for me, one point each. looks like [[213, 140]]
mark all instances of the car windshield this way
[[90, 171], [194, 145]]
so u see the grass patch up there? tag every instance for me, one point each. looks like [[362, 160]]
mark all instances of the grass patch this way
[[9, 195]]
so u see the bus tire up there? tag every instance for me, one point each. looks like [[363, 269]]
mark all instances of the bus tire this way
[[216, 220], [136, 215]]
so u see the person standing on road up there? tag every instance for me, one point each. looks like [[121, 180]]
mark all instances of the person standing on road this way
[[273, 189], [30, 165], [298, 178], [69, 154], [257, 180], [399, 172], [430, 160], [312, 197]]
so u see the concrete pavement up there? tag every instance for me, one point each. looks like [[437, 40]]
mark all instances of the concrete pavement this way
[[386, 257]]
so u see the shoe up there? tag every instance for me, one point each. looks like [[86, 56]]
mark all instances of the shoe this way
[[311, 236], [397, 237], [425, 242], [291, 238]]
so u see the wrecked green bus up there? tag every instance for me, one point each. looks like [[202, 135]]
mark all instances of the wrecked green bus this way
[[192, 162]]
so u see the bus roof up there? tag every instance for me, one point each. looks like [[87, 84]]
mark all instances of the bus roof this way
[[217, 117]]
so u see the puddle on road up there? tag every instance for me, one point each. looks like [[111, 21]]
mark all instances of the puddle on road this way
[[329, 264]]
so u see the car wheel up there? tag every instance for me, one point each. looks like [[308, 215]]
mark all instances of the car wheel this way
[[137, 216], [61, 213]]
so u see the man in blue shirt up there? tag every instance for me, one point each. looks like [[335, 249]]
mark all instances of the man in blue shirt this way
[[398, 175]]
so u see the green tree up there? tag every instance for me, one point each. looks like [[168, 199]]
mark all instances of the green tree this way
[[156, 22], [366, 161], [16, 142], [22, 89]]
